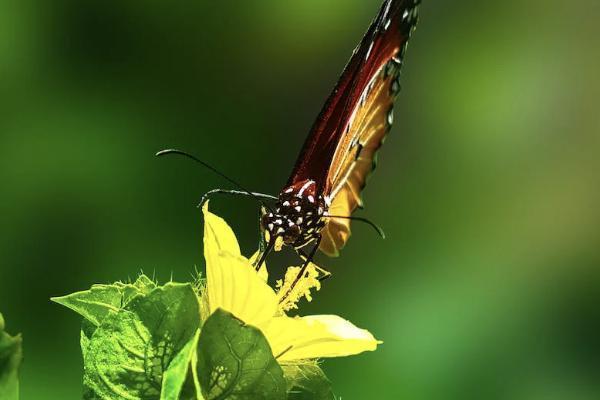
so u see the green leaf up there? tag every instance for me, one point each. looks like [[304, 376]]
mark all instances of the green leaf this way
[[235, 361], [307, 382], [128, 354], [10, 360], [176, 374], [94, 304], [144, 284], [115, 364], [141, 287]]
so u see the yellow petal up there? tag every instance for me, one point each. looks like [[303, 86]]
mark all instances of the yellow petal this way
[[262, 272], [218, 236], [233, 285], [316, 336]]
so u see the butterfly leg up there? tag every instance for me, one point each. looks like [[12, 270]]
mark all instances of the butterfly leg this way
[[260, 196], [324, 273], [302, 272], [263, 253]]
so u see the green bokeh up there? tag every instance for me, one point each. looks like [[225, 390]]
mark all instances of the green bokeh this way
[[488, 284]]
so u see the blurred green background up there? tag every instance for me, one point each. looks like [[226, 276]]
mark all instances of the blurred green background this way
[[488, 285]]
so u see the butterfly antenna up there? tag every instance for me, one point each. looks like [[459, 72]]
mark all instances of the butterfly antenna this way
[[377, 228], [213, 169]]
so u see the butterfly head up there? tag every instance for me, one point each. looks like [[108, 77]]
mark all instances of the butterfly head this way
[[298, 217]]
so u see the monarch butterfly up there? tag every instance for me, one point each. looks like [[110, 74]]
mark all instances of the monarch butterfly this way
[[325, 186]]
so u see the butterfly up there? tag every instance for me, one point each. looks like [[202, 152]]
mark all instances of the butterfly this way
[[324, 189]]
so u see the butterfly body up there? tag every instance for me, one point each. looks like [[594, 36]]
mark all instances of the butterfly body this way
[[299, 215]]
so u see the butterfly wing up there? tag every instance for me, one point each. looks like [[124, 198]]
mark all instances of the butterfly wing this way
[[340, 151], [357, 155]]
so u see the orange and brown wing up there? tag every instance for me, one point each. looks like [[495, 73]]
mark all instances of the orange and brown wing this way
[[386, 39], [357, 156], [369, 120]]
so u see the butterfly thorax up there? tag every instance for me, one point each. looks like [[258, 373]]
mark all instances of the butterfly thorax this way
[[299, 215]]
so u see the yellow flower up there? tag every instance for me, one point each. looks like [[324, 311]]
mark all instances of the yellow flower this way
[[233, 285]]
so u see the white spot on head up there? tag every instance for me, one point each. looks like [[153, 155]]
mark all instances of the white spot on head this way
[[290, 222], [286, 203], [271, 215], [309, 223], [280, 230], [289, 190], [298, 208], [278, 222], [299, 220], [304, 187], [311, 199], [271, 226], [308, 214]]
